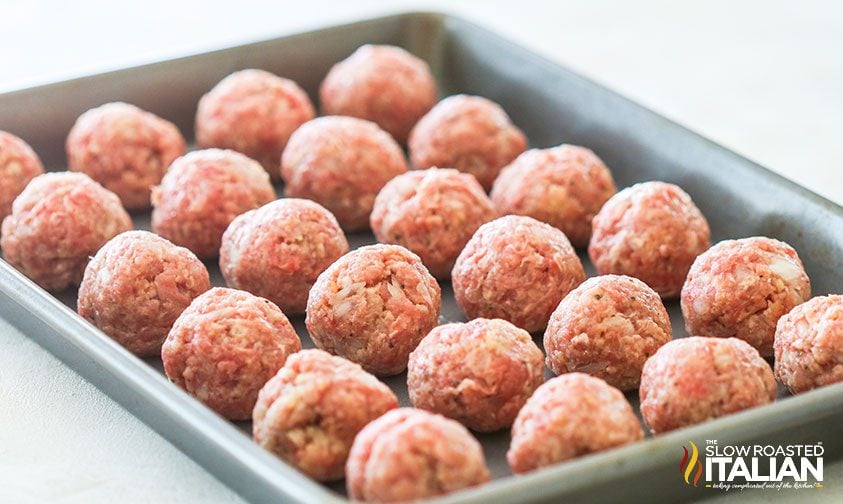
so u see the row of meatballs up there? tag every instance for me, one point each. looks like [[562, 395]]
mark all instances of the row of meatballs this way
[[486, 374], [227, 344], [378, 306], [651, 231]]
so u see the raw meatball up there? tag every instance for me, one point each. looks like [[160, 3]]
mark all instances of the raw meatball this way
[[384, 84], [124, 148], [309, 413], [409, 454], [225, 346], [651, 231], [136, 286], [469, 133], [253, 112], [433, 213], [517, 269], [18, 165], [278, 250], [607, 327], [341, 163], [202, 193], [740, 288], [479, 373], [564, 186], [57, 223], [570, 416], [809, 345], [373, 306], [693, 380]]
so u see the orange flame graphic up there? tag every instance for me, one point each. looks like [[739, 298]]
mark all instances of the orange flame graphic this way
[[689, 463]]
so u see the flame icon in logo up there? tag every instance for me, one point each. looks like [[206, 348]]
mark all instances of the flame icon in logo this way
[[686, 467]]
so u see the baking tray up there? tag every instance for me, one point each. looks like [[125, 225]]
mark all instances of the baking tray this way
[[552, 105]]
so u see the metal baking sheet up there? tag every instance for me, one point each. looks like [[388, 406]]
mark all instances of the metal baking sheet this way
[[553, 105]]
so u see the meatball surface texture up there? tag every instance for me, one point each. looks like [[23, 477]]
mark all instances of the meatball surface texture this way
[[373, 306], [469, 133], [517, 269], [433, 213], [607, 327], [383, 84], [136, 286], [225, 346], [651, 231], [57, 223], [310, 411], [740, 288], [409, 454], [253, 112], [692, 380]]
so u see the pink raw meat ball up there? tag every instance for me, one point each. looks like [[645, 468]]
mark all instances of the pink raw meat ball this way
[[409, 454], [651, 231], [809, 345], [18, 165], [201, 194], [225, 346], [479, 373], [433, 213], [57, 223], [740, 288], [310, 411], [469, 133], [695, 379], [125, 149], [607, 327], [381, 83], [278, 250], [570, 416], [253, 112], [373, 306], [341, 163], [564, 186], [498, 273], [136, 286]]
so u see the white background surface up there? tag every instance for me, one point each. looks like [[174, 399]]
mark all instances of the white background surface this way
[[764, 78]]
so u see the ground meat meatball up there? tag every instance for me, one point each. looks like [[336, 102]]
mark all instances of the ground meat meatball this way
[[740, 288], [479, 373], [570, 416], [278, 250], [18, 165], [384, 84], [202, 192], [469, 133], [225, 346], [309, 413], [341, 163], [373, 306], [57, 223], [498, 272], [651, 231], [564, 186], [809, 345], [607, 327], [693, 380], [433, 213], [409, 454], [136, 286], [125, 149], [253, 112]]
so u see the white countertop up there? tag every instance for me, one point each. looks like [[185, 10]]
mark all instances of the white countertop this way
[[763, 78]]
